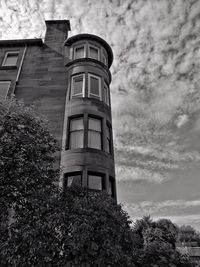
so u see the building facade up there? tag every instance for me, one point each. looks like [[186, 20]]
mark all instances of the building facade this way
[[67, 79]]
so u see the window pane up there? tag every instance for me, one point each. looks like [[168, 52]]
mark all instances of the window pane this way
[[76, 139], [104, 60], [111, 187], [76, 124], [74, 180], [106, 94], [94, 124], [93, 52], [94, 86], [95, 182], [4, 86], [94, 139], [79, 52], [108, 139], [108, 132], [78, 85], [11, 59]]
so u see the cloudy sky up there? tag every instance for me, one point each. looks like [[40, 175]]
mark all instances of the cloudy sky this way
[[155, 92]]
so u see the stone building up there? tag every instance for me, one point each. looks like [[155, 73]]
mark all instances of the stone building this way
[[67, 79]]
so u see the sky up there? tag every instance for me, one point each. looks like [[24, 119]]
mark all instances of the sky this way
[[155, 93]]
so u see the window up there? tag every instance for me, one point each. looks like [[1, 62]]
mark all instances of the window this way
[[73, 179], [76, 132], [78, 85], [4, 87], [93, 52], [111, 188], [108, 139], [104, 58], [95, 181], [10, 59], [106, 94], [79, 52], [94, 86], [94, 133]]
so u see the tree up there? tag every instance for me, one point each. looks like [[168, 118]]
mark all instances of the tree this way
[[188, 235], [77, 228], [155, 243], [26, 160]]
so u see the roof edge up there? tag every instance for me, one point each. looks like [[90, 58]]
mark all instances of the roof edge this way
[[20, 42]]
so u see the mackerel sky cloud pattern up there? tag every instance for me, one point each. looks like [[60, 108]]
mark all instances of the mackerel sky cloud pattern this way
[[155, 89]]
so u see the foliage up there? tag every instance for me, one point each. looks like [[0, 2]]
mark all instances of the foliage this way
[[26, 152], [155, 244], [79, 227], [188, 235], [26, 160]]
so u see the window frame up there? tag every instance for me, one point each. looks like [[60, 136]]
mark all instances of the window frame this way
[[6, 56], [111, 186], [72, 95], [97, 174], [108, 140], [9, 83], [95, 47], [76, 173], [106, 94], [92, 130], [89, 86], [78, 46], [69, 132], [104, 58]]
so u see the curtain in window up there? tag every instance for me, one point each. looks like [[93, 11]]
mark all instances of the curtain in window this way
[[94, 133], [74, 180], [94, 86], [77, 85], [93, 53], [79, 52], [95, 182], [76, 133]]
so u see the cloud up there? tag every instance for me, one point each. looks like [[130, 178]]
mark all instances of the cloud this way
[[148, 207], [182, 120], [178, 211]]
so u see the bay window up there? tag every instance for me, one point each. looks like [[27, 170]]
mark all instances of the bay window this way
[[76, 133], [94, 133]]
